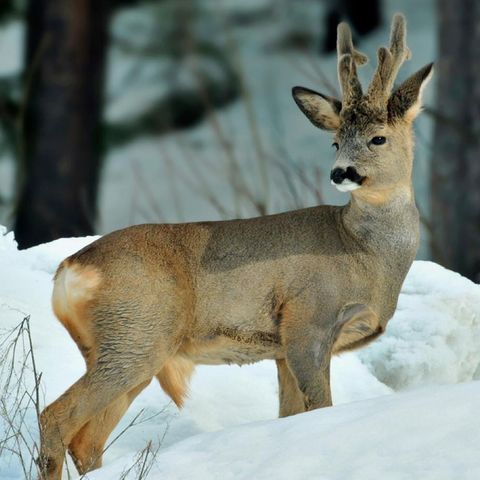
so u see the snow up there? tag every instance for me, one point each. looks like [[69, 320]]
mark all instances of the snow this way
[[404, 407], [435, 334], [430, 434]]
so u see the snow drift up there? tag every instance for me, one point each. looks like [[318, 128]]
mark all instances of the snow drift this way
[[427, 432]]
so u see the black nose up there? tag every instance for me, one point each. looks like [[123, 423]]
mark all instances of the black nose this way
[[337, 175]]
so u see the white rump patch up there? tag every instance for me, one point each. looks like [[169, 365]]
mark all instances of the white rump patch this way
[[346, 186]]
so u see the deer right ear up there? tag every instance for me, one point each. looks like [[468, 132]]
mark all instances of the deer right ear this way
[[321, 110]]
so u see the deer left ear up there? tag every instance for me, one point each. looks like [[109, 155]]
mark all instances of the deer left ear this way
[[406, 101]]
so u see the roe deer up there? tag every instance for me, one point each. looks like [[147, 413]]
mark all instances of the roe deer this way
[[297, 287]]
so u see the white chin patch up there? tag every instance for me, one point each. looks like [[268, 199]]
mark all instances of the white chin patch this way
[[346, 186]]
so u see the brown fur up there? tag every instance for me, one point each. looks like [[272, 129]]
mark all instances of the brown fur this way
[[174, 376], [297, 287], [291, 400], [359, 326], [321, 110], [87, 446]]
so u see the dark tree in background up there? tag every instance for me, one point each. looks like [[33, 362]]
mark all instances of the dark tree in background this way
[[60, 155], [66, 47], [455, 167], [364, 16]]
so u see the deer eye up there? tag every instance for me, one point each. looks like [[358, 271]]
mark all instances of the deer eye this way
[[335, 145], [378, 140]]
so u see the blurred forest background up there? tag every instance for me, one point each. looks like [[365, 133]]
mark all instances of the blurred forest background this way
[[117, 112]]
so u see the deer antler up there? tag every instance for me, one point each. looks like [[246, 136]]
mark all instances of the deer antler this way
[[348, 59], [389, 62]]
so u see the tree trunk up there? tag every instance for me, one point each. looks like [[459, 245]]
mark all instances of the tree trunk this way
[[66, 47], [455, 167]]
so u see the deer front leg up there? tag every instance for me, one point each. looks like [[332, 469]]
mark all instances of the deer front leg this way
[[308, 359]]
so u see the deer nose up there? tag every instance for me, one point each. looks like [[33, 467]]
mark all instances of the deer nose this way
[[338, 175]]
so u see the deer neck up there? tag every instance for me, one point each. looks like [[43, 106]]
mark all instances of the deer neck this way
[[383, 220]]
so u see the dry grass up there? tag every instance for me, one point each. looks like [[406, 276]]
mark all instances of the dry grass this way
[[20, 393], [21, 398]]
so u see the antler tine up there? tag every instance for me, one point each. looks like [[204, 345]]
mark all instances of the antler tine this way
[[389, 62], [398, 45], [348, 59]]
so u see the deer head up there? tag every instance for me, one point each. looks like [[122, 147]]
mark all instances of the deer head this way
[[372, 132]]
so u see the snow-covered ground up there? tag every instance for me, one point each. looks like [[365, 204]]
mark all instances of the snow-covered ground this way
[[399, 411]]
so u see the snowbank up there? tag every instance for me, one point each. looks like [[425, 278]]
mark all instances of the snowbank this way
[[429, 435], [425, 433], [434, 337]]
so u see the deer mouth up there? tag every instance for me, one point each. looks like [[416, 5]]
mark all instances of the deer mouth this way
[[346, 180]]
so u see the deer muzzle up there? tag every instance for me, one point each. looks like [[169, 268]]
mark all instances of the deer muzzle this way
[[347, 179]]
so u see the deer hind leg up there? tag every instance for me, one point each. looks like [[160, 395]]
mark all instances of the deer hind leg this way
[[83, 417], [74, 287], [85, 399], [291, 399], [88, 445], [121, 349]]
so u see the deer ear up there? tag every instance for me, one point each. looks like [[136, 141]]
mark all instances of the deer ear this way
[[406, 101], [321, 110]]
